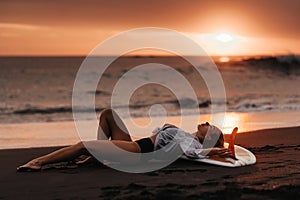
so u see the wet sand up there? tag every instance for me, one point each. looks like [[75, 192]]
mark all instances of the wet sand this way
[[276, 175]]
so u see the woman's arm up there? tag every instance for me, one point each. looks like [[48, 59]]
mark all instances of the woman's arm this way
[[217, 152], [211, 152]]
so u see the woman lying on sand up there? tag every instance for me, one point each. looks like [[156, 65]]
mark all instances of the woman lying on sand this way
[[119, 136]]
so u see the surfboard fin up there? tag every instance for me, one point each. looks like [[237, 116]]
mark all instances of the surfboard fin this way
[[232, 141]]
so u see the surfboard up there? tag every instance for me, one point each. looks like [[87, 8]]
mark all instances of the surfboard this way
[[242, 156]]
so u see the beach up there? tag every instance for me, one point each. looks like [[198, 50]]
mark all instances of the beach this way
[[276, 175], [36, 118]]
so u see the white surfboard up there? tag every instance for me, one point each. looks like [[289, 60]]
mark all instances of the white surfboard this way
[[243, 156]]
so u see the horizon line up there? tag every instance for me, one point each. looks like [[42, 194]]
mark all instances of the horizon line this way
[[149, 55]]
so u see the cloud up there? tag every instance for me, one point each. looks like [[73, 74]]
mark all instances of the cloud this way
[[19, 26], [13, 30]]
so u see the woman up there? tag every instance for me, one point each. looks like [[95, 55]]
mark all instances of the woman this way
[[114, 129]]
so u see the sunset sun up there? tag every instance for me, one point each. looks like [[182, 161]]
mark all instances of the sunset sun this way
[[224, 37]]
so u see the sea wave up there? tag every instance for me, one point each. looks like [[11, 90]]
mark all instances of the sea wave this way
[[236, 105], [286, 64]]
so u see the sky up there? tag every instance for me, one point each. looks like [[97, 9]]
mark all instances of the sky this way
[[75, 27]]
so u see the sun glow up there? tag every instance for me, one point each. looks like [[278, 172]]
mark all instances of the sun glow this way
[[224, 37], [224, 59], [221, 43]]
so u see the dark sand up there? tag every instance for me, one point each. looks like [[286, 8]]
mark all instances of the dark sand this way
[[276, 175]]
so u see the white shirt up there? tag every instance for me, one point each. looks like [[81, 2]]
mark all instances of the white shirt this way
[[174, 137]]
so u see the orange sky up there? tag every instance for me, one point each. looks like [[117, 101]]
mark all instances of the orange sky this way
[[41, 27]]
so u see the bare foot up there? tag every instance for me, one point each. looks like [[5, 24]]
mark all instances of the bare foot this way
[[33, 165], [87, 159]]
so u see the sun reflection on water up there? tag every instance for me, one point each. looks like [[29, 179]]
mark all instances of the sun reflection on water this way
[[231, 121], [224, 59]]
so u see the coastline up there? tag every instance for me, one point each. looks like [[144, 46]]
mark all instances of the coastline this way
[[49, 134], [276, 175]]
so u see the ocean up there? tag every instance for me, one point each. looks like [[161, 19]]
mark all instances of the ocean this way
[[36, 94], [39, 89]]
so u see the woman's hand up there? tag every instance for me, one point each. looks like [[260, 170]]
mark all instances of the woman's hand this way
[[218, 152]]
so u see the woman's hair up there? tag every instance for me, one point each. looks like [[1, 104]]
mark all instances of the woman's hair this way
[[217, 138], [220, 141]]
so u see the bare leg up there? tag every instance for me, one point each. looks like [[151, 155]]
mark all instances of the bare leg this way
[[66, 153], [71, 152], [112, 150], [111, 126]]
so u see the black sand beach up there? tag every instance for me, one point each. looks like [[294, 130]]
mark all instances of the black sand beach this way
[[276, 175]]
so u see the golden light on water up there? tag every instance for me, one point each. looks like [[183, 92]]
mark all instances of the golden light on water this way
[[231, 121], [224, 59]]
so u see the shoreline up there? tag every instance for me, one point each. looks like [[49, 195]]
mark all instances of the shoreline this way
[[49, 134], [249, 139]]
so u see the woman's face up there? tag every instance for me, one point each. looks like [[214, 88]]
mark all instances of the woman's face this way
[[202, 131]]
